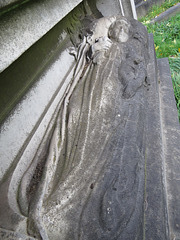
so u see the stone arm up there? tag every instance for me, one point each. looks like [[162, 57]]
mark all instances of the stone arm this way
[[132, 74]]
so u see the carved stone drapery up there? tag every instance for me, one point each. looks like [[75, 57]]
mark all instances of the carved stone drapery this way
[[87, 182]]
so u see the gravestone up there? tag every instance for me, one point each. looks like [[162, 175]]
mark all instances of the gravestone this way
[[91, 150]]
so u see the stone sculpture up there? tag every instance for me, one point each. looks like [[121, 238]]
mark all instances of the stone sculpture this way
[[87, 180]]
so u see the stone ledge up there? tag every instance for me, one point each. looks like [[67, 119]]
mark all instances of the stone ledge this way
[[22, 27], [6, 5], [170, 137]]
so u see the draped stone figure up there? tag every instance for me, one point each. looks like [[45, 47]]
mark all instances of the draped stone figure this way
[[87, 180]]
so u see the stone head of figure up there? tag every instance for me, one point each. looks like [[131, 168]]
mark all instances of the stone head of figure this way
[[119, 30]]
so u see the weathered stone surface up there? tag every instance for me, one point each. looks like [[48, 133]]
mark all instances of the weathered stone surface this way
[[6, 3], [171, 151], [10, 235], [24, 72], [106, 173], [23, 26], [155, 212], [38, 80], [108, 8], [95, 162], [98, 173]]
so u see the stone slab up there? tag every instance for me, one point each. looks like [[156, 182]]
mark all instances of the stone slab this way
[[31, 88], [171, 151], [8, 5], [155, 210], [26, 70], [23, 26]]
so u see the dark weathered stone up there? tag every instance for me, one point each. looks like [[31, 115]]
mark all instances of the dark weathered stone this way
[[96, 182], [171, 151], [156, 222]]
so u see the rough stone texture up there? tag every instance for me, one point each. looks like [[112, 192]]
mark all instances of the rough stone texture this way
[[155, 215], [23, 26], [5, 235], [167, 14], [36, 81], [25, 71], [171, 151], [93, 157], [6, 3], [42, 71], [99, 172], [108, 8]]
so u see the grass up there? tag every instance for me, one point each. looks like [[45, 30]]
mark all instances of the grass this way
[[175, 72], [156, 9], [167, 42]]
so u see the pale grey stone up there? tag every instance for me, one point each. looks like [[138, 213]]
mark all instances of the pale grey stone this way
[[6, 3], [22, 27], [86, 180]]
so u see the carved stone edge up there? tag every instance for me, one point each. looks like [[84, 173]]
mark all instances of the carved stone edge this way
[[171, 152], [155, 203]]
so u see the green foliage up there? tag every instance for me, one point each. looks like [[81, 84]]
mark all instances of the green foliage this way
[[156, 10], [175, 71], [166, 36], [167, 42]]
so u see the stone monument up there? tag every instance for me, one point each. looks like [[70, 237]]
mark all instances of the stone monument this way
[[100, 160]]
